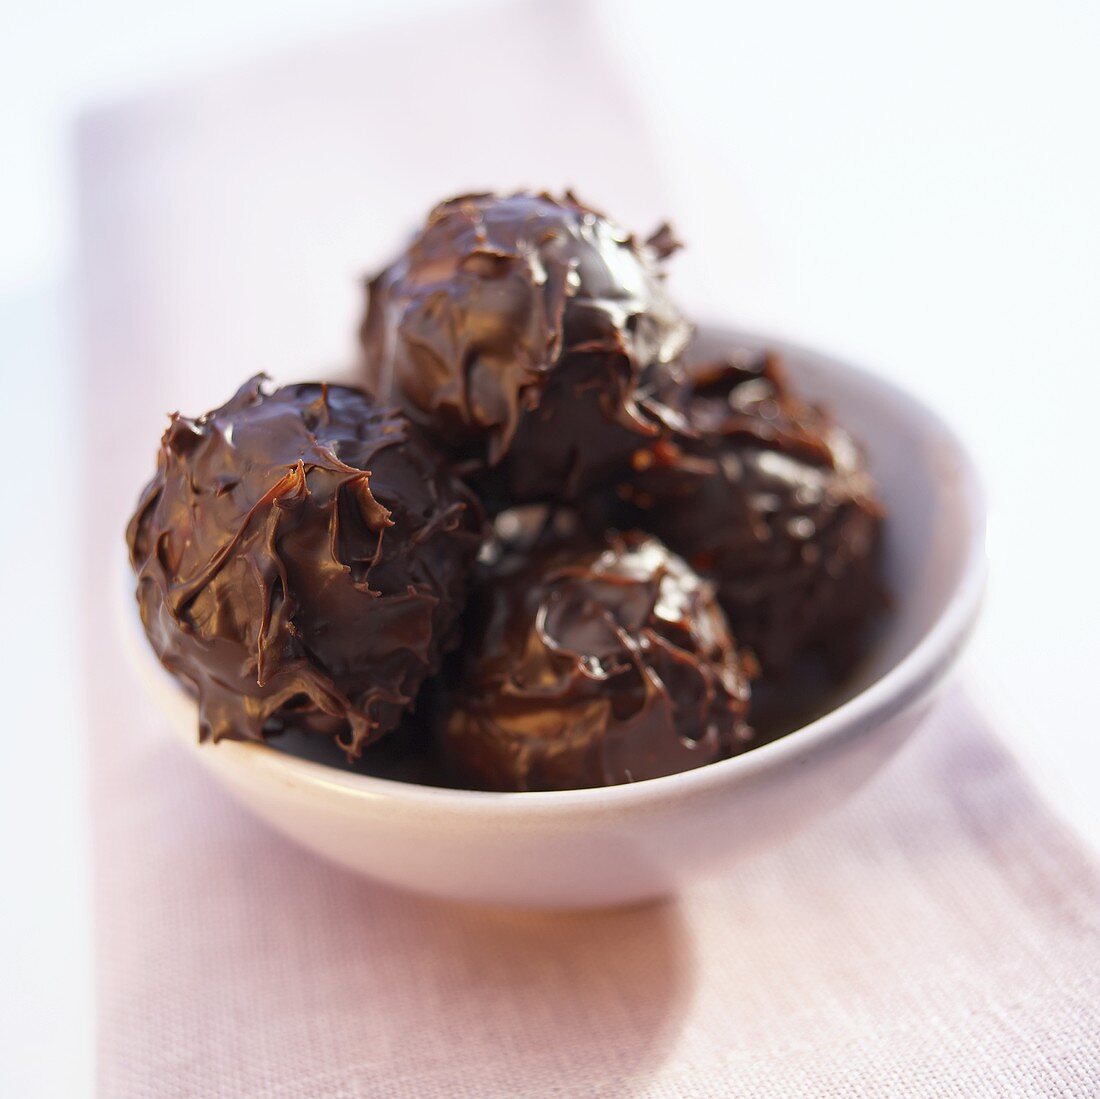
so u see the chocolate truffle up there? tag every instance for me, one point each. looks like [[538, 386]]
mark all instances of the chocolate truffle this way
[[301, 559], [594, 664], [768, 497], [519, 330]]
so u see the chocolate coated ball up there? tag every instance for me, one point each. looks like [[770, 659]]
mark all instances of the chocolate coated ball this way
[[768, 497], [301, 558], [520, 331], [594, 664]]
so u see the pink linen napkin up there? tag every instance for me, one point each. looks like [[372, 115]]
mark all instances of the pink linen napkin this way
[[938, 936]]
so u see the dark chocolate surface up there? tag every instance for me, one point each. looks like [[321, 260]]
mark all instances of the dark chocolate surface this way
[[303, 555], [770, 498], [592, 665], [520, 331], [302, 559]]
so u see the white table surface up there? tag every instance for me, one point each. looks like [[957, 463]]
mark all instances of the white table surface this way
[[915, 188]]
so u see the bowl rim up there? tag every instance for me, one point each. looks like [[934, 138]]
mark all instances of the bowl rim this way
[[915, 675]]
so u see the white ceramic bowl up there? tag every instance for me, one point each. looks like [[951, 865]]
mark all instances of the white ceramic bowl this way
[[625, 844]]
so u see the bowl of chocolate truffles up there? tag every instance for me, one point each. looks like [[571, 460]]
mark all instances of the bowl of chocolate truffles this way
[[553, 599]]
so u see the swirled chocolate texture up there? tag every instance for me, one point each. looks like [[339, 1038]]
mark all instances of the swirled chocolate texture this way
[[301, 559], [520, 330], [593, 665], [767, 496]]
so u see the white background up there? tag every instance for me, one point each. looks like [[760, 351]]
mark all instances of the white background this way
[[915, 185]]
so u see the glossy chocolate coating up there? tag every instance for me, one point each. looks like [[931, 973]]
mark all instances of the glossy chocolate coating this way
[[519, 330], [301, 559], [768, 497], [594, 664]]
